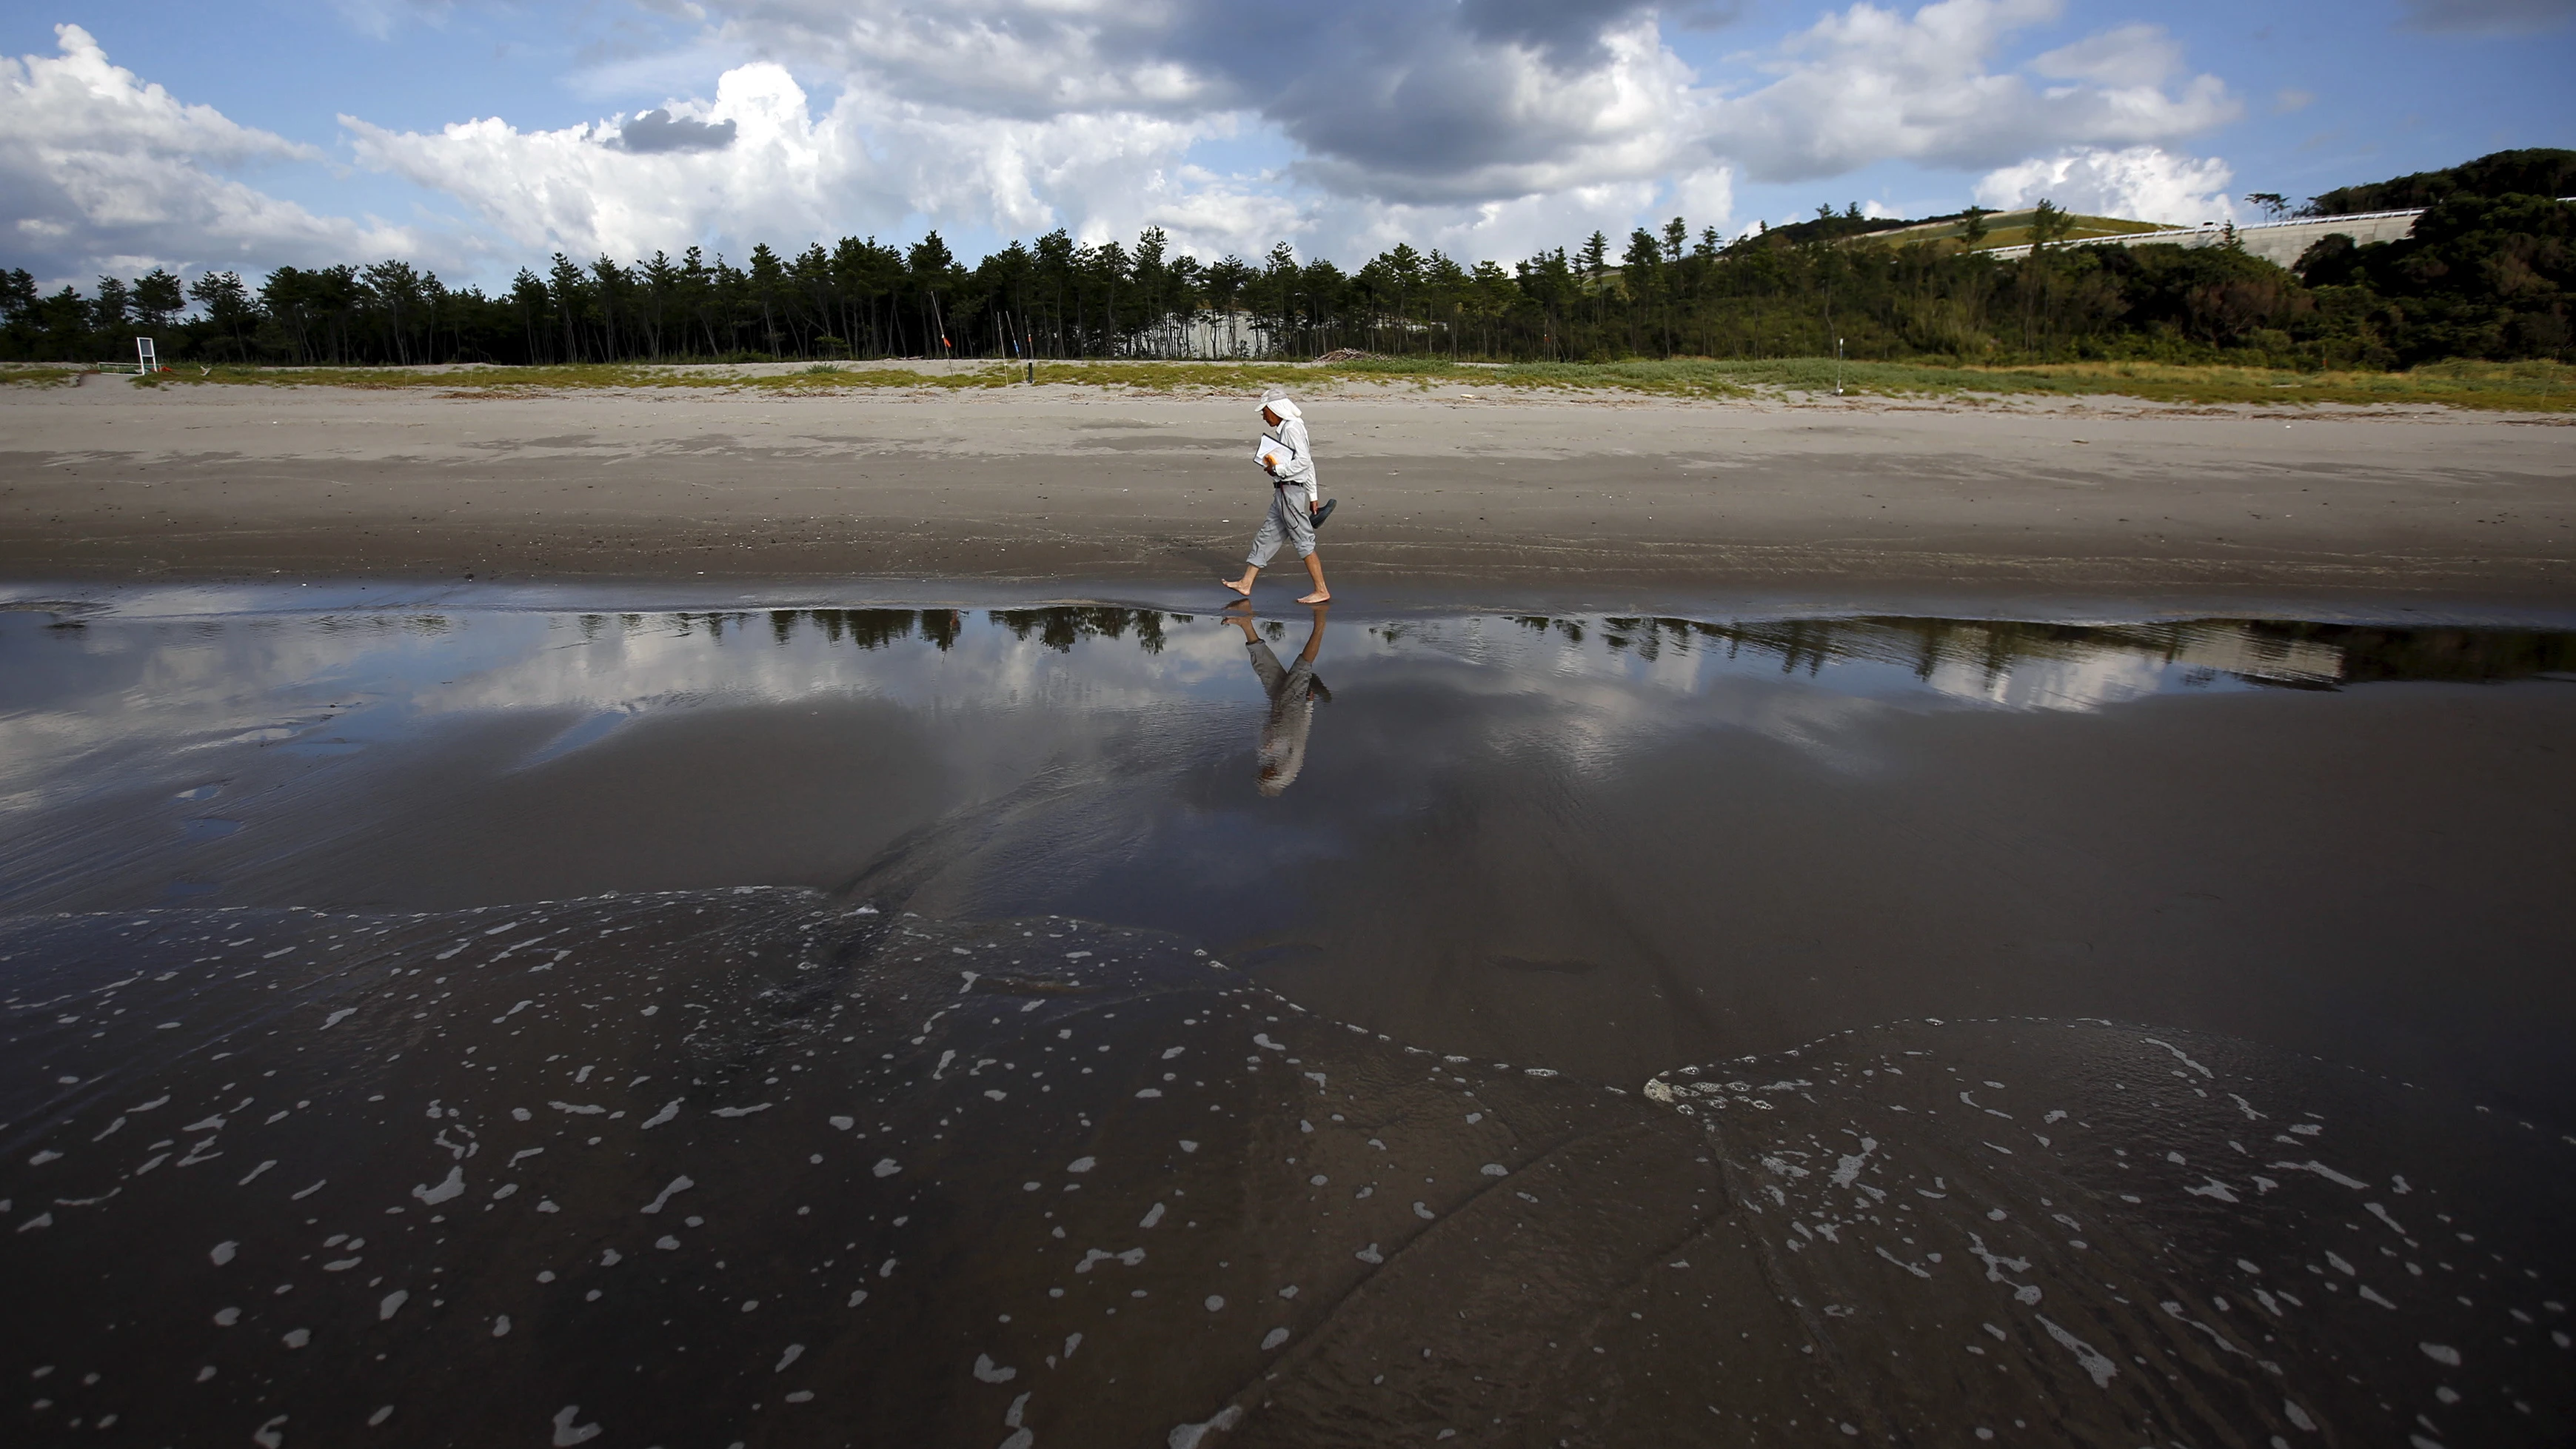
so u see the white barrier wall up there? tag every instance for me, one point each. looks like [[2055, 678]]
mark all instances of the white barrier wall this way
[[2278, 241]]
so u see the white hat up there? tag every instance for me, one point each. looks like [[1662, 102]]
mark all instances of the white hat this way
[[1276, 400]]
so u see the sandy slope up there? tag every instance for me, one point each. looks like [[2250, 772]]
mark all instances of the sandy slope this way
[[1606, 499]]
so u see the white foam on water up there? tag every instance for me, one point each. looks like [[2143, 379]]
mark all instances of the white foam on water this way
[[886, 1167], [1153, 1215], [2101, 1369], [2321, 1170], [452, 1186], [392, 1303], [678, 1185], [1191, 1436], [986, 1371], [794, 1352], [738, 1111], [2178, 1056], [568, 1434], [222, 1252], [1908, 1267], [1847, 1169]]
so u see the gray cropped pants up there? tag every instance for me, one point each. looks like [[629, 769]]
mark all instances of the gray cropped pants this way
[[1289, 522]]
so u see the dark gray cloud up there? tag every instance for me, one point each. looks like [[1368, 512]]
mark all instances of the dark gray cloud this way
[[660, 131], [1475, 102], [2488, 17], [1416, 101], [1567, 32], [1431, 103], [1715, 15]]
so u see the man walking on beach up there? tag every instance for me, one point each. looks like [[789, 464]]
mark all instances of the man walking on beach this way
[[1283, 450]]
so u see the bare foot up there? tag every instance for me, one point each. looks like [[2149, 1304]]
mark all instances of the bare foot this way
[[1240, 588], [1318, 597]]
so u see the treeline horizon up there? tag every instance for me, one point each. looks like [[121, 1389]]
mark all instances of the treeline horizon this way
[[2487, 273]]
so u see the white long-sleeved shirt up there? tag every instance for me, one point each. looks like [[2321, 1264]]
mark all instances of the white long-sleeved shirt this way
[[1299, 467]]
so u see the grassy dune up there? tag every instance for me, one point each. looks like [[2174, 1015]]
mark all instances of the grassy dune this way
[[2516, 386], [24, 376]]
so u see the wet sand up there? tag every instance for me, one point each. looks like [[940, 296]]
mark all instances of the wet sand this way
[[434, 1016], [1587, 502], [753, 1167]]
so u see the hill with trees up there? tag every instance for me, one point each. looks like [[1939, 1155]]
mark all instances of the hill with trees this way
[[2488, 273], [2536, 172]]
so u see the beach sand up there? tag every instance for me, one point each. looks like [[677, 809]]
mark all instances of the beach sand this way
[[610, 1000], [1588, 499]]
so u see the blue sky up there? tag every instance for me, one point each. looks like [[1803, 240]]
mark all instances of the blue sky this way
[[306, 132]]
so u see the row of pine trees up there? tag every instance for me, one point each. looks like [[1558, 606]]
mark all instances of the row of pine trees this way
[[1786, 291]]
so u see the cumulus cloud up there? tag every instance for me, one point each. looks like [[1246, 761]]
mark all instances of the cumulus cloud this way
[[2143, 182], [101, 171], [781, 174], [2488, 17], [1399, 101], [1868, 85], [1488, 128], [1462, 123], [759, 164], [2131, 55]]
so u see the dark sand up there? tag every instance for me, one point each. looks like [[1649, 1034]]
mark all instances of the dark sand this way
[[1587, 501], [752, 1167]]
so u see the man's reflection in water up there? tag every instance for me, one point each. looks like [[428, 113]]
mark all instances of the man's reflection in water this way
[[1293, 692]]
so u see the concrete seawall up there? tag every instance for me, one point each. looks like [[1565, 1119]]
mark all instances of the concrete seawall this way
[[2282, 242]]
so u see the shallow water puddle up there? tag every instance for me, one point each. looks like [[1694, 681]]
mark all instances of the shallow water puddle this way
[[1097, 1025]]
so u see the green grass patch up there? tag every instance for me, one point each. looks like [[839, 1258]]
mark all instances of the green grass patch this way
[[2541, 387], [2514, 386], [41, 376]]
